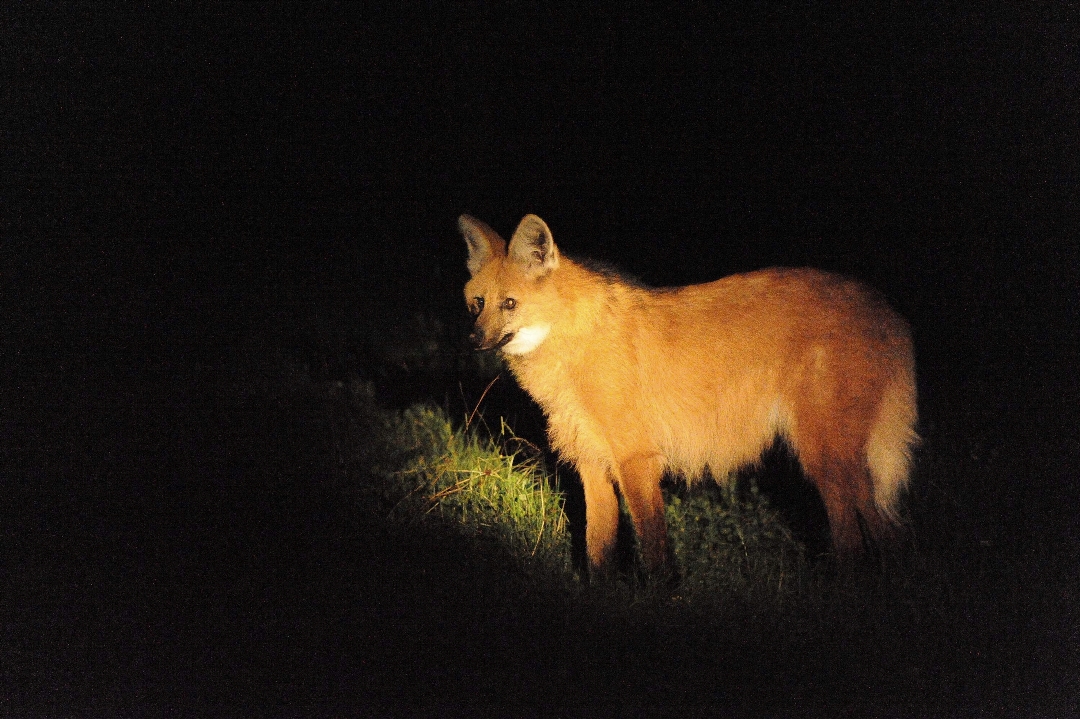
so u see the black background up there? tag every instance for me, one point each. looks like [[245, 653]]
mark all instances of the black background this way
[[180, 181]]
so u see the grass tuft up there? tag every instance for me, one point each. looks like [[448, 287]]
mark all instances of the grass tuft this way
[[727, 538], [492, 489]]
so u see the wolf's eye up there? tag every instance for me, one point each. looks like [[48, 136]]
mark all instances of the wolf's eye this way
[[509, 303], [477, 307]]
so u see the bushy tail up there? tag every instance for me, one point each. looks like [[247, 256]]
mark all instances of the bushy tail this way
[[891, 443]]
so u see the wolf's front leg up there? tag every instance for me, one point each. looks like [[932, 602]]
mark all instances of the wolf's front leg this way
[[601, 517], [639, 481]]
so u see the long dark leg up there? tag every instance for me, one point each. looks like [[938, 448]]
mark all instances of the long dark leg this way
[[845, 488], [601, 517], [640, 483]]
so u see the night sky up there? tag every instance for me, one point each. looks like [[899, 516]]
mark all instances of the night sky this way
[[176, 182], [180, 184]]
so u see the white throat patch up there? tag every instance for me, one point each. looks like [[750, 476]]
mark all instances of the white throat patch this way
[[527, 339]]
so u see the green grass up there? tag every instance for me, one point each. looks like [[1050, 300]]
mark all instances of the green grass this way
[[942, 623], [729, 539], [461, 561], [491, 486]]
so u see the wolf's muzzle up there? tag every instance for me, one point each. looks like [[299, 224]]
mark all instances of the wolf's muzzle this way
[[479, 343]]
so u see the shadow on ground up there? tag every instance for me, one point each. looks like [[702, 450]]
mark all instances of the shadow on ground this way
[[177, 541]]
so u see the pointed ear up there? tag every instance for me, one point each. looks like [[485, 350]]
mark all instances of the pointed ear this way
[[484, 243], [532, 246]]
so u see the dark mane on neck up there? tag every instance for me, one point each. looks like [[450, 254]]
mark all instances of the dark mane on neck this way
[[609, 272]]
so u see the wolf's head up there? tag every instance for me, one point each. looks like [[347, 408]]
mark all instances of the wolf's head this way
[[510, 295]]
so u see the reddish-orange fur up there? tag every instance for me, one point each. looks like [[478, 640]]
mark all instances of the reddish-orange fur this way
[[639, 382]]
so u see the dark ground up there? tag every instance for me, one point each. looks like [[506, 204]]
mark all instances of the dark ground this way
[[178, 541]]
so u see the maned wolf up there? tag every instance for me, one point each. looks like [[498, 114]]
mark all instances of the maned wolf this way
[[638, 382]]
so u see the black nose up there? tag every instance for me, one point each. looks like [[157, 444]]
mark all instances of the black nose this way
[[476, 338]]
